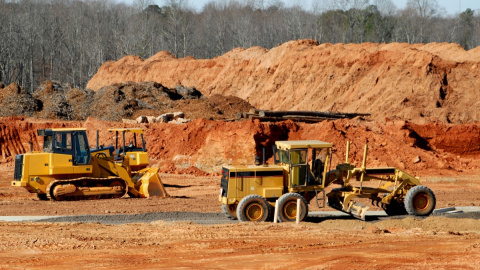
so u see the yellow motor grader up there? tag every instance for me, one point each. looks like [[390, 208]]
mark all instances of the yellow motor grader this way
[[300, 173], [67, 169]]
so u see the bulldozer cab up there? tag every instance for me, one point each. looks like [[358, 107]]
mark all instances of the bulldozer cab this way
[[68, 142], [307, 161]]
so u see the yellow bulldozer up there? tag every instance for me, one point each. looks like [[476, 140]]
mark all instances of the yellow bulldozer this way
[[301, 173], [67, 169]]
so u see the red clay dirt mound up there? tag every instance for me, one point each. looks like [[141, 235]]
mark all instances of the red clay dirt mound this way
[[207, 145], [420, 82]]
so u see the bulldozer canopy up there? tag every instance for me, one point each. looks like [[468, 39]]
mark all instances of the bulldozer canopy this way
[[47, 132], [134, 130], [286, 145]]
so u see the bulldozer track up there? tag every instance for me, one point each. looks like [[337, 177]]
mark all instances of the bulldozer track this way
[[80, 182]]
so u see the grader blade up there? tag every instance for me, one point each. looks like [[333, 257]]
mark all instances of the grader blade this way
[[342, 201], [357, 210], [149, 183]]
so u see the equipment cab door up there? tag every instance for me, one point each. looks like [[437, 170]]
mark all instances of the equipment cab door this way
[[81, 158], [82, 150], [298, 167]]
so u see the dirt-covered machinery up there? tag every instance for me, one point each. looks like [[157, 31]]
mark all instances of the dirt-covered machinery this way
[[67, 169], [301, 172]]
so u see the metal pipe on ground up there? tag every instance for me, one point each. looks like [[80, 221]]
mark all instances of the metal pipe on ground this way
[[298, 211], [275, 215]]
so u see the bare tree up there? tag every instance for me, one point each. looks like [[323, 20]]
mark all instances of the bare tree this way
[[68, 40], [423, 12]]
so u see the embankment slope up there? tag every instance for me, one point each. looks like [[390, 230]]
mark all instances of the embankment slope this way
[[420, 82]]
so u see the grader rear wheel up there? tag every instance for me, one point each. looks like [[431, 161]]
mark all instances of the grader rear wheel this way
[[42, 196], [230, 210], [253, 208], [420, 201]]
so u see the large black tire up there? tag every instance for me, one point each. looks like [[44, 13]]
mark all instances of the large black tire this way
[[420, 201], [271, 212], [253, 208], [394, 208], [230, 210], [42, 196], [287, 207]]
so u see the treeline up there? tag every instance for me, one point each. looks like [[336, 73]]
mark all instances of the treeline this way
[[68, 40]]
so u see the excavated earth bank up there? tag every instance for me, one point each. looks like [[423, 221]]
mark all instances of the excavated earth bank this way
[[205, 145], [420, 82]]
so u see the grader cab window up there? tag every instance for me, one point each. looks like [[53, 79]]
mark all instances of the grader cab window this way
[[281, 156], [319, 156], [298, 156]]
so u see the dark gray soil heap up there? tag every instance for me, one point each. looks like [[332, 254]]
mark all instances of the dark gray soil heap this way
[[53, 100]]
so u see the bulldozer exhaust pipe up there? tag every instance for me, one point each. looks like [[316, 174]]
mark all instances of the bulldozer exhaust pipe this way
[[264, 160]]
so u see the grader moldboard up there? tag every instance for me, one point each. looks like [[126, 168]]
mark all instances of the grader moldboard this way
[[249, 193], [67, 169]]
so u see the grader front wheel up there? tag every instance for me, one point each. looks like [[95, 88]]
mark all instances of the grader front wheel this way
[[420, 201]]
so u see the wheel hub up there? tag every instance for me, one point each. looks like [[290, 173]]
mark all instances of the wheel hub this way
[[421, 201], [254, 212], [290, 210]]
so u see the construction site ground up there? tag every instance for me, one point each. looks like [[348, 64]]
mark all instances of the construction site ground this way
[[180, 240], [423, 105]]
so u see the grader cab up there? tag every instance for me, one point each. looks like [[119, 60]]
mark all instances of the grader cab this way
[[300, 172], [249, 192]]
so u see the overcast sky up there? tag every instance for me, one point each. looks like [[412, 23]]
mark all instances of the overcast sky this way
[[451, 6]]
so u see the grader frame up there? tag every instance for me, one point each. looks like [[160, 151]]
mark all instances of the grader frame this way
[[249, 192]]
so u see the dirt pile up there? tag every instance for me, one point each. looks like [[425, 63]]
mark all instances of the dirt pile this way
[[63, 101], [420, 82], [130, 100], [16, 101], [53, 100], [204, 146]]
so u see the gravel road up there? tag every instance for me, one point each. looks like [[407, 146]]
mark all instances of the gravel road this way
[[219, 218]]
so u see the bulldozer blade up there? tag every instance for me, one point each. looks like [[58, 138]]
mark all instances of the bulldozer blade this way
[[357, 210], [149, 184]]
